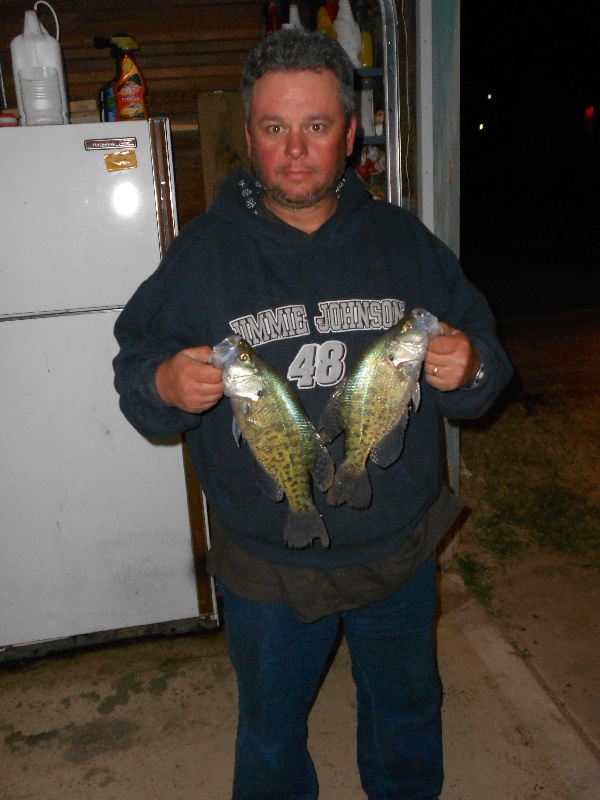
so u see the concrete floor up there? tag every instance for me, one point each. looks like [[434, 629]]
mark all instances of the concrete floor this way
[[156, 718]]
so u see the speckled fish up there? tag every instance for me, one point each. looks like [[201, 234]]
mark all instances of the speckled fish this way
[[281, 437], [371, 405]]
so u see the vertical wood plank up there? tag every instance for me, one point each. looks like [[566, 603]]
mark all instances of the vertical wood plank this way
[[222, 138]]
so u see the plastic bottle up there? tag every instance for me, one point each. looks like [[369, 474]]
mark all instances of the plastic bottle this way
[[107, 103], [294, 18], [129, 87], [272, 19], [37, 63], [324, 23], [106, 95], [366, 54], [124, 97], [367, 108], [348, 32]]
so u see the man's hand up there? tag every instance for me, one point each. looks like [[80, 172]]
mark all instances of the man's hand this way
[[187, 381], [451, 360]]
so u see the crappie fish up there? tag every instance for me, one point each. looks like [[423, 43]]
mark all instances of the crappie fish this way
[[281, 437], [371, 405]]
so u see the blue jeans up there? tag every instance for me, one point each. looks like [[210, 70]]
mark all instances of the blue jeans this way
[[279, 663]]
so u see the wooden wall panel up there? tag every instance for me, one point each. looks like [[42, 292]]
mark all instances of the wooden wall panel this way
[[223, 139]]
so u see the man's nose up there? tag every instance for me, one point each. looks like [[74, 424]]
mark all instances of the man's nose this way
[[295, 144]]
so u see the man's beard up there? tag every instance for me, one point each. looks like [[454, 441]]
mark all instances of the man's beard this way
[[317, 194]]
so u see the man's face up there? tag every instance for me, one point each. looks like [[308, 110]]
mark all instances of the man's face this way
[[297, 138]]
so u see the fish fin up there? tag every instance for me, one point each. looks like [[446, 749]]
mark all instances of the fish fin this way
[[267, 484], [352, 487], [389, 448], [237, 433], [416, 396], [323, 467], [302, 529], [331, 423]]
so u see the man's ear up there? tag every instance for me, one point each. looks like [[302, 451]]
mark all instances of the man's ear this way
[[350, 134]]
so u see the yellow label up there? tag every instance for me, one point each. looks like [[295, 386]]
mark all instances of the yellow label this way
[[124, 159]]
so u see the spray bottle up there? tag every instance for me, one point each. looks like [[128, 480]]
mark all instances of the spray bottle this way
[[124, 97], [38, 72]]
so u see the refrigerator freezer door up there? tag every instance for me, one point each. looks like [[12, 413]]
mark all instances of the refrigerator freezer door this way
[[80, 225], [94, 523]]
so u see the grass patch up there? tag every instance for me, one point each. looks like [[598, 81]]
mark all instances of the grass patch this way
[[533, 483], [497, 536], [476, 578]]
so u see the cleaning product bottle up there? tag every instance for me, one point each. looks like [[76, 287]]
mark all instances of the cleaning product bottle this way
[[294, 18], [107, 102], [38, 72], [129, 87], [332, 9], [324, 23], [348, 32], [125, 96], [362, 18], [106, 95], [272, 19]]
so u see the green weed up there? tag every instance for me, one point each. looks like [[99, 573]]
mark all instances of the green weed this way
[[534, 484], [476, 578]]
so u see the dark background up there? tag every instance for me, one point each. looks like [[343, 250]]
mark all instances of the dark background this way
[[530, 180]]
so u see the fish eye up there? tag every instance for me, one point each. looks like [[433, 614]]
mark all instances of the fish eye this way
[[244, 357]]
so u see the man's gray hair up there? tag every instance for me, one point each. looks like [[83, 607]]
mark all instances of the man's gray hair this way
[[293, 50]]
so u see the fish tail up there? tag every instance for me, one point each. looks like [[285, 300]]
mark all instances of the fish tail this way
[[350, 486], [302, 529]]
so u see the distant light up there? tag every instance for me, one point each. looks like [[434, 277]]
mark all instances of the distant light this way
[[481, 126], [589, 113], [489, 97]]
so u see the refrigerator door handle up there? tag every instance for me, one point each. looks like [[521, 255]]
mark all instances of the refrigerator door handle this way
[[164, 189]]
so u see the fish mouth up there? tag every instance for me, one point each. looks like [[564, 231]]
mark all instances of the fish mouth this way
[[226, 350], [242, 380], [426, 320]]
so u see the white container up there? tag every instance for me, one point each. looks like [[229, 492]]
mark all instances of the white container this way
[[295, 21], [39, 75], [348, 33]]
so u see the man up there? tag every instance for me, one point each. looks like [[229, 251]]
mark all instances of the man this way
[[302, 262]]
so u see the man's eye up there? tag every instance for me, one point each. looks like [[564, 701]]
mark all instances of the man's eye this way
[[317, 127], [274, 129]]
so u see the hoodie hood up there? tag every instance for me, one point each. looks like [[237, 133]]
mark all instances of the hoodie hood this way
[[239, 202]]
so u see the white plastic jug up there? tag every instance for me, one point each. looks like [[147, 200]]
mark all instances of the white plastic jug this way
[[38, 72], [348, 32]]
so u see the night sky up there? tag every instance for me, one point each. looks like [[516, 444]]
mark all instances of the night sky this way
[[530, 178]]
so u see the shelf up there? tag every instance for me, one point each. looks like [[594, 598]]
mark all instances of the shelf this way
[[370, 72], [368, 140]]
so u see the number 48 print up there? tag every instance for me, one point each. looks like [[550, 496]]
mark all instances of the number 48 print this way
[[318, 364]]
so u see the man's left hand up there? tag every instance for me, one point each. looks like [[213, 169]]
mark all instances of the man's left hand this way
[[451, 360]]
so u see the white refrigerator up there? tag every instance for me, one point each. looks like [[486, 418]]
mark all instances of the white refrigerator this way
[[95, 520]]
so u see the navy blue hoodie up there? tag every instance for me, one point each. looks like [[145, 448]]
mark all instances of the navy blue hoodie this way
[[308, 304]]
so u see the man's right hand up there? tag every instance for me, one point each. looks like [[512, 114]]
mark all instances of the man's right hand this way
[[187, 381]]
